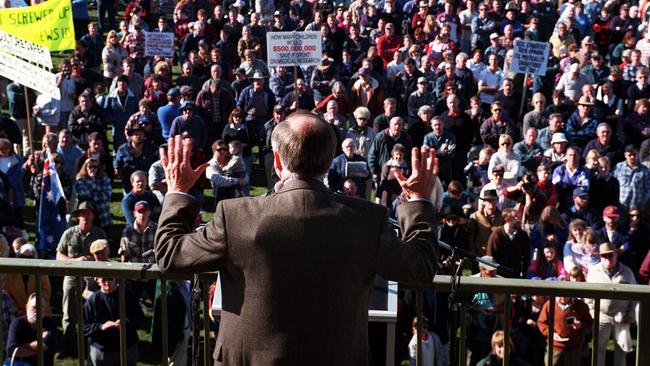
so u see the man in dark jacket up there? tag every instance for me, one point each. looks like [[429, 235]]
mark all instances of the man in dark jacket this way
[[319, 264]]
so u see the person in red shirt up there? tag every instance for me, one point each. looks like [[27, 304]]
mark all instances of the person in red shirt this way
[[388, 44]]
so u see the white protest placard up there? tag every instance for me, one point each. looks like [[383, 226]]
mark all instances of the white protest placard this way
[[293, 48], [29, 75], [159, 44], [25, 49], [530, 57]]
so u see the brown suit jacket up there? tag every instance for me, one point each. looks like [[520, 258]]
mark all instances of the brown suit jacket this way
[[296, 269]]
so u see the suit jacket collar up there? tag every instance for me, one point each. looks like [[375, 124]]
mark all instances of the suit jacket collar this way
[[302, 183]]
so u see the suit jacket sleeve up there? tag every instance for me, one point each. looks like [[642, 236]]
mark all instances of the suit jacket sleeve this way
[[412, 259], [178, 247]]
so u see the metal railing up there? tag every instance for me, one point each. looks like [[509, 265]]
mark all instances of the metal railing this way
[[508, 287]]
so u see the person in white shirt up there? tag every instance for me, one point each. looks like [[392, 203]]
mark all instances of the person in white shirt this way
[[489, 80], [433, 352]]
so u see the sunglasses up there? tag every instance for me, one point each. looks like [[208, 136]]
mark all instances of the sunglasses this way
[[607, 255], [222, 149]]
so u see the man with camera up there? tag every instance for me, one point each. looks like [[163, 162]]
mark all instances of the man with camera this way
[[530, 199]]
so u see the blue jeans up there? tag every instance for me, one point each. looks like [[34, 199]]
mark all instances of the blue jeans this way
[[106, 8]]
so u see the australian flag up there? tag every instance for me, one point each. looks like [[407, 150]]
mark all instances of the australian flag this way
[[50, 222]]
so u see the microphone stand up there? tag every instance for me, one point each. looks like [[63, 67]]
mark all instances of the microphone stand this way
[[457, 302], [457, 260]]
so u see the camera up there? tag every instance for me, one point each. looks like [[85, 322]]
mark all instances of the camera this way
[[570, 320]]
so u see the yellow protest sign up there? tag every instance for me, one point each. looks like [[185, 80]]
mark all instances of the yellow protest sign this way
[[48, 24]]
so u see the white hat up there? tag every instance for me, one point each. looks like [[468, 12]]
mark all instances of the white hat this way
[[558, 137]]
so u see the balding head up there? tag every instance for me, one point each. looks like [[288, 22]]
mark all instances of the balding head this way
[[305, 143]]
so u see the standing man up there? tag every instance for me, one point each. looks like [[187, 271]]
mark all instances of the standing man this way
[[612, 312], [171, 110], [634, 179], [75, 246], [306, 270]]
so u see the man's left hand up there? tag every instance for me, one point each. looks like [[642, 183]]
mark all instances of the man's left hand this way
[[179, 174]]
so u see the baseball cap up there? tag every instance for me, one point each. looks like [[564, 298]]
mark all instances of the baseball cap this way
[[174, 92], [581, 192], [611, 212], [141, 206]]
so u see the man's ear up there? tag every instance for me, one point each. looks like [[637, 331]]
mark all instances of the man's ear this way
[[277, 164]]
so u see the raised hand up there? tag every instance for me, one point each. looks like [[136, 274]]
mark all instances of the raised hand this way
[[424, 168], [179, 174]]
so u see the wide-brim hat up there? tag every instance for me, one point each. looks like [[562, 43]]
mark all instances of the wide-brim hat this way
[[606, 248], [558, 137], [585, 100], [488, 195], [326, 62], [82, 206], [135, 128]]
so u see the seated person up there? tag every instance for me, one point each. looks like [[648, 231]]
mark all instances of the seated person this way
[[236, 167], [19, 285], [102, 324], [21, 342]]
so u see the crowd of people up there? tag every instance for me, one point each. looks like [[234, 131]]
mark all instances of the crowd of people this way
[[548, 175]]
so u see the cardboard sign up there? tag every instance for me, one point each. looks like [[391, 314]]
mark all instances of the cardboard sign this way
[[159, 44], [25, 49], [29, 75], [294, 48], [530, 57]]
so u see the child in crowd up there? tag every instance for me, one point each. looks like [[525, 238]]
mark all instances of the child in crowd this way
[[236, 168]]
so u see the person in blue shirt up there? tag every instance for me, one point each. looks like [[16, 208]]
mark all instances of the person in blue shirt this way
[[191, 124], [581, 128], [167, 113], [568, 177]]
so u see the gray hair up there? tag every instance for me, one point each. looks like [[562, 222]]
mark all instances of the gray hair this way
[[424, 109], [362, 112]]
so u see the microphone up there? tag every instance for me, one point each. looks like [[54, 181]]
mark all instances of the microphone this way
[[464, 253]]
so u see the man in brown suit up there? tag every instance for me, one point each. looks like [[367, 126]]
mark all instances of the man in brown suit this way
[[297, 266]]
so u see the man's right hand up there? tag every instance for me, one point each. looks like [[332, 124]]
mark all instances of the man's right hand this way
[[179, 174], [424, 168]]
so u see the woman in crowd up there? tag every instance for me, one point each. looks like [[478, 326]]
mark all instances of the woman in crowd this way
[[582, 247], [508, 159], [547, 265], [113, 55], [238, 130], [637, 123]]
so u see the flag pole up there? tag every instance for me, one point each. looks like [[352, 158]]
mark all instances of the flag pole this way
[[28, 126]]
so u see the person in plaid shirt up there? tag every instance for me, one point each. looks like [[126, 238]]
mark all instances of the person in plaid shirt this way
[[134, 44], [137, 239], [92, 185]]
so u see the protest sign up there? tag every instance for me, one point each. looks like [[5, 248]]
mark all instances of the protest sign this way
[[28, 75], [530, 57], [293, 48], [47, 24], [25, 49], [159, 44]]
